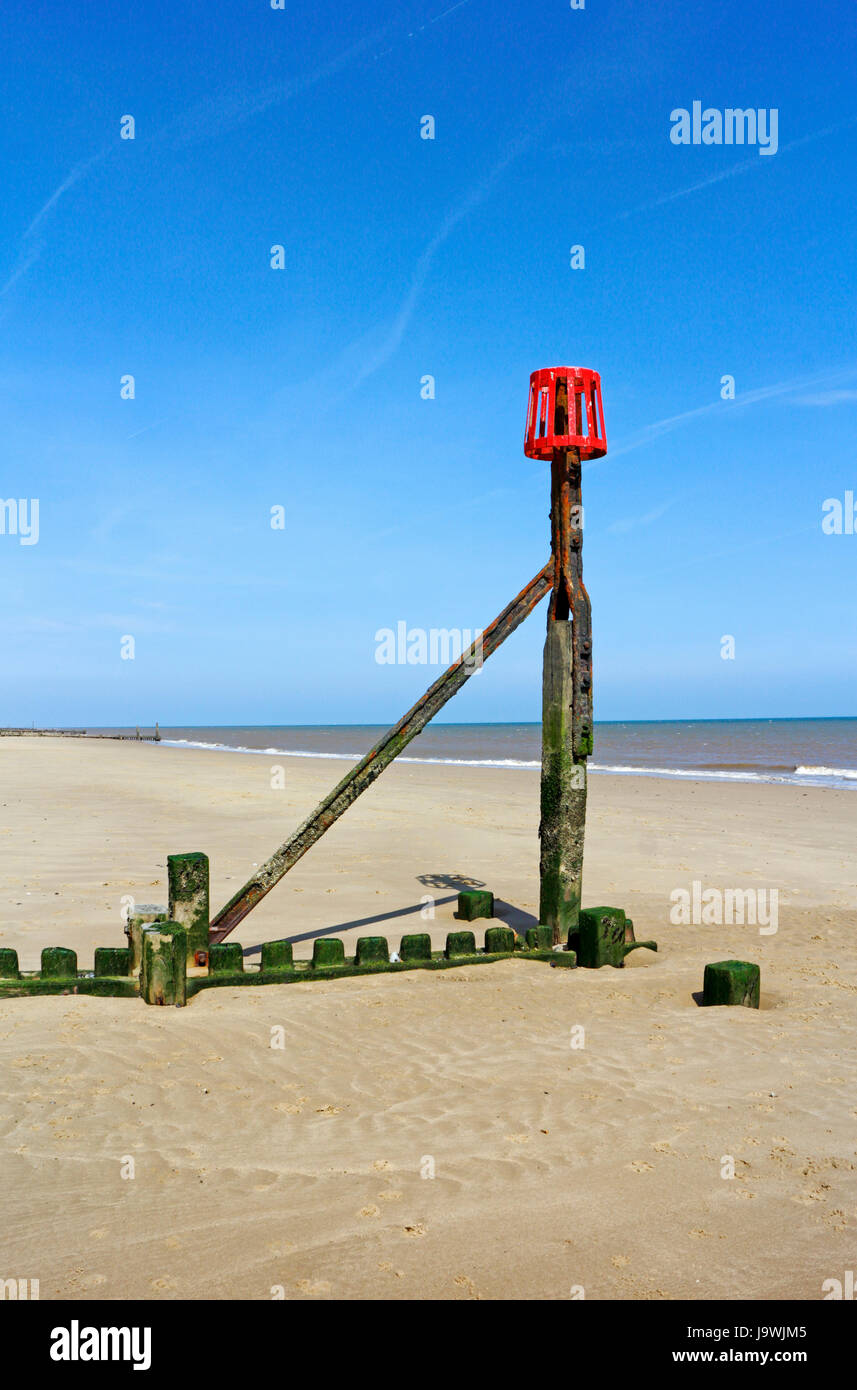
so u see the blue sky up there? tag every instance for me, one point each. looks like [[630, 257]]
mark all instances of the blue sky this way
[[406, 257]]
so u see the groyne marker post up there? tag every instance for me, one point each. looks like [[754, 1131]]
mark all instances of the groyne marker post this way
[[565, 424]]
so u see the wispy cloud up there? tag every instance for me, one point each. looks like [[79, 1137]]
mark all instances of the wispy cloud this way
[[212, 117], [633, 523], [757, 542], [742, 167], [216, 116], [649, 433], [398, 328], [34, 625], [145, 430], [428, 24], [823, 398], [365, 355], [32, 244]]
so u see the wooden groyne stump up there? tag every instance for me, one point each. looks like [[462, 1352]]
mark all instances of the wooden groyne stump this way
[[277, 955], [143, 916], [499, 940], [9, 964], [475, 903], [327, 951], [417, 946], [187, 877], [732, 982], [460, 943], [163, 969], [602, 938], [226, 958], [58, 963], [112, 961], [372, 950]]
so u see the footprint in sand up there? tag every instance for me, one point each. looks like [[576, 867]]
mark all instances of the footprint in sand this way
[[463, 1281], [417, 1229], [639, 1166]]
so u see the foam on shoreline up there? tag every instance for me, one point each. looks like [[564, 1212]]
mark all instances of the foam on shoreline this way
[[838, 778]]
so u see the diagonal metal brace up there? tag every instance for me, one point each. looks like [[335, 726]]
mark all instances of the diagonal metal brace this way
[[378, 758]]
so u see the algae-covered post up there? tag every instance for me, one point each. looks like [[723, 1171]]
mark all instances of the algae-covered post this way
[[565, 424], [187, 876]]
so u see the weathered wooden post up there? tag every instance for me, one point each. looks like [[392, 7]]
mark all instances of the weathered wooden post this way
[[187, 876], [163, 968], [565, 424], [732, 982], [142, 916]]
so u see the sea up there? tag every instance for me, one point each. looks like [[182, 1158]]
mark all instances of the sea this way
[[802, 752]]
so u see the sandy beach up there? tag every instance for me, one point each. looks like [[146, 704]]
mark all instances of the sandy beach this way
[[430, 1136]]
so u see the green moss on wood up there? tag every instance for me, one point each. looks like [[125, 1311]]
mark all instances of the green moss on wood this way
[[732, 982], [58, 963], [144, 915], [566, 959], [163, 977], [187, 876], [475, 903], [563, 787], [163, 969], [277, 955], [415, 947], [112, 960], [605, 936], [372, 950], [107, 986], [460, 943], [499, 939], [539, 938], [8, 963], [225, 958], [327, 951], [601, 937]]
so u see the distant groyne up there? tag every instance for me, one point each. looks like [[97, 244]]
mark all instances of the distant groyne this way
[[138, 737]]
